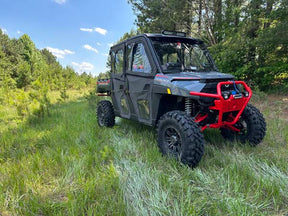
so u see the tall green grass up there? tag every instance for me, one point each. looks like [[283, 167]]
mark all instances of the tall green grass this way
[[231, 179], [66, 165], [58, 165]]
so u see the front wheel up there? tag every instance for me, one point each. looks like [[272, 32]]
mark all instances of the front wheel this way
[[180, 137], [252, 127], [105, 114]]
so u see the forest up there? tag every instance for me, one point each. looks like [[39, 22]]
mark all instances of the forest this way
[[246, 38], [28, 74]]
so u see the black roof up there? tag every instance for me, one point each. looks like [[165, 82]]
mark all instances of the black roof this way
[[150, 35], [164, 35], [158, 35]]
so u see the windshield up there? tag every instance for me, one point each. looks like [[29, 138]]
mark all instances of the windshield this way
[[177, 55]]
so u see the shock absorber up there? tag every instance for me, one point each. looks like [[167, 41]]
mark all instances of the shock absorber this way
[[188, 106]]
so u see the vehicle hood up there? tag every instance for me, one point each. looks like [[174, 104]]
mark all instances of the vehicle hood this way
[[199, 75], [182, 83]]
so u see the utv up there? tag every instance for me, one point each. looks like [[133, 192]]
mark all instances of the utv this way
[[169, 81]]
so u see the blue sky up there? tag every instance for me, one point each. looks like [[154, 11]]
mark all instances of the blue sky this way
[[78, 32]]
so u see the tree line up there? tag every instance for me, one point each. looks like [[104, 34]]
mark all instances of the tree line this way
[[247, 38], [24, 68], [22, 65]]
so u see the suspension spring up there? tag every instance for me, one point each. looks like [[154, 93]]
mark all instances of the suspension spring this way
[[188, 106]]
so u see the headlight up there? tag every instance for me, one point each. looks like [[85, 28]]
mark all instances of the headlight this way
[[225, 96]]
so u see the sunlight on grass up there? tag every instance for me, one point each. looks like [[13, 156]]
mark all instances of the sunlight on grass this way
[[65, 164], [53, 166]]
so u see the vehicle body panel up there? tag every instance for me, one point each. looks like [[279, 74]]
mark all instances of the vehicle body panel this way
[[139, 95]]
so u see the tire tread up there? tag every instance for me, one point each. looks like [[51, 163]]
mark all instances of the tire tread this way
[[109, 115], [257, 124], [193, 148]]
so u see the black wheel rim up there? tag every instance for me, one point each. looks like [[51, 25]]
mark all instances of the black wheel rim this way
[[101, 116], [173, 140]]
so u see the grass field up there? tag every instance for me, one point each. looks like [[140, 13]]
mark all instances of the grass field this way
[[65, 164]]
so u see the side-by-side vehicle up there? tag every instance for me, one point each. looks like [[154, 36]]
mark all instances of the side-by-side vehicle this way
[[170, 81]]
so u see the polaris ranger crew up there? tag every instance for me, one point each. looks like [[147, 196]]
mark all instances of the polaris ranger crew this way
[[170, 81]]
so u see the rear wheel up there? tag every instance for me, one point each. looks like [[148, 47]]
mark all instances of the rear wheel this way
[[105, 114], [252, 127], [180, 137]]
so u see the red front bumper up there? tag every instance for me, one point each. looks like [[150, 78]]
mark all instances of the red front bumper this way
[[223, 106]]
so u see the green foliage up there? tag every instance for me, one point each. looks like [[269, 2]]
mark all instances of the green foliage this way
[[246, 38], [24, 76], [63, 94], [22, 103], [128, 35], [21, 61], [156, 15], [92, 99], [44, 104], [7, 84], [104, 75], [40, 95], [38, 72]]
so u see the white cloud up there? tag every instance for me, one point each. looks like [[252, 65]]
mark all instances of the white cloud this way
[[19, 32], [100, 30], [83, 66], [110, 44], [68, 51], [95, 29], [5, 31], [60, 1], [99, 44], [88, 47], [105, 54], [86, 29], [59, 53]]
